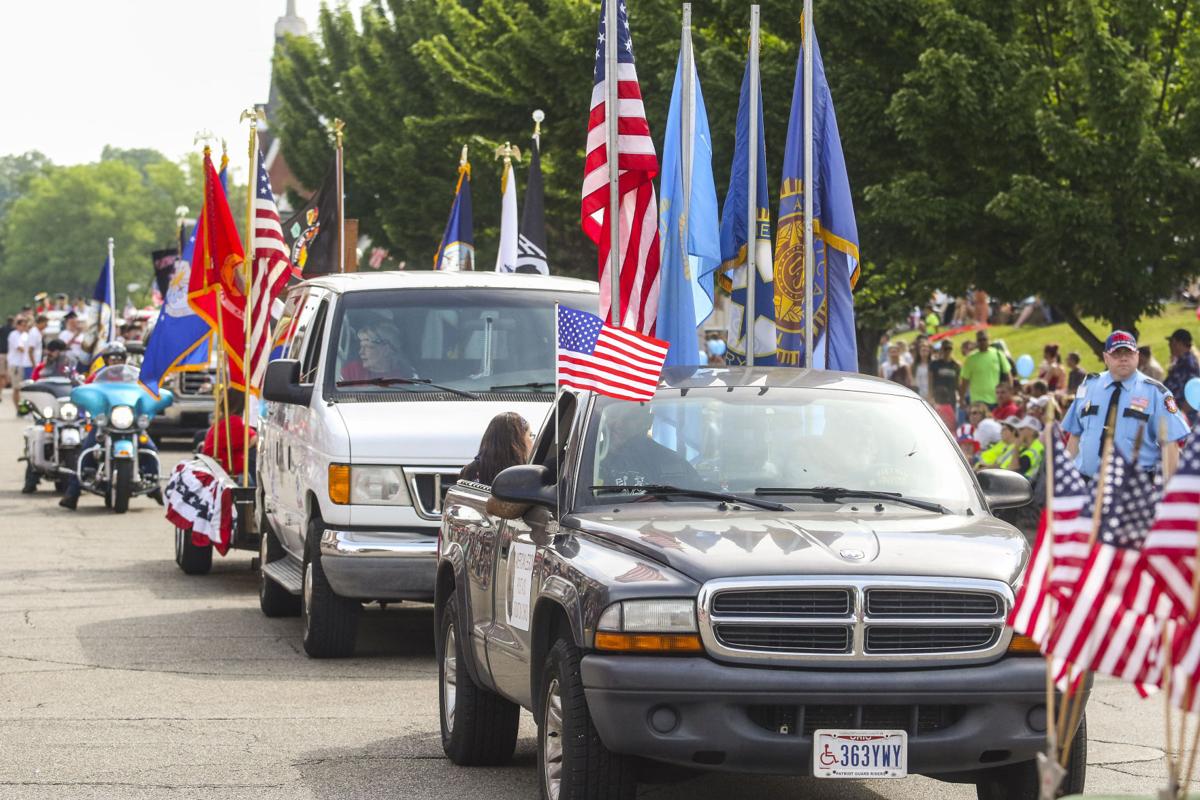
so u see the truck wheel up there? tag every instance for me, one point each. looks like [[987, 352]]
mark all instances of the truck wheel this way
[[573, 762], [479, 727], [1020, 781], [273, 599], [330, 621], [122, 486], [191, 558]]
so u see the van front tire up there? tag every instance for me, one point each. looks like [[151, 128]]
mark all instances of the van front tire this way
[[330, 621]]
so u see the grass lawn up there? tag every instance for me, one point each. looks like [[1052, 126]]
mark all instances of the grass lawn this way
[[1030, 338]]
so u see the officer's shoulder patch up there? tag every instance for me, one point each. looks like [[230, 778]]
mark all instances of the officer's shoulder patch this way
[[1157, 385], [1170, 403], [1091, 375]]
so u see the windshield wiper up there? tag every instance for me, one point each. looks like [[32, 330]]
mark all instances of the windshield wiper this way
[[405, 382], [664, 490], [529, 385], [831, 494]]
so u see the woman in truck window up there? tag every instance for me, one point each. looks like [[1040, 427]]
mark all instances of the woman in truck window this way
[[506, 443], [379, 355]]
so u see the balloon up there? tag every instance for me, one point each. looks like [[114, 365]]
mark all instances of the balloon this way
[[1025, 366], [1191, 392], [716, 347]]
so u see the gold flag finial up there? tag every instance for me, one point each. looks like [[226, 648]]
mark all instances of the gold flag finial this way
[[339, 125], [508, 152]]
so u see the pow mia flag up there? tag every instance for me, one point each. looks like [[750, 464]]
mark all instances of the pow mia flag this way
[[312, 232], [531, 241]]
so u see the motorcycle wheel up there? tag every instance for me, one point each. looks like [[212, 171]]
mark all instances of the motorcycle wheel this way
[[122, 486]]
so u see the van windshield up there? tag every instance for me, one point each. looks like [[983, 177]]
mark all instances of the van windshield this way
[[434, 340]]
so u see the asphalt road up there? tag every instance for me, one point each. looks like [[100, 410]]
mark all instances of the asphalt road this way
[[122, 677]]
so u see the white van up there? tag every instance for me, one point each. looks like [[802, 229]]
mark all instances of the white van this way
[[388, 383]]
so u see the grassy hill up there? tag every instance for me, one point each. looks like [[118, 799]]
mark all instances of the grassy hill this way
[[1030, 339]]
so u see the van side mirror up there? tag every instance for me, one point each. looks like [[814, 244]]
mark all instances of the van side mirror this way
[[1004, 488], [517, 488], [281, 384]]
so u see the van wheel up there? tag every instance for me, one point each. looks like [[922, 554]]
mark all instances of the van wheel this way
[[330, 621], [479, 727], [1020, 781], [191, 558], [573, 762], [273, 599]]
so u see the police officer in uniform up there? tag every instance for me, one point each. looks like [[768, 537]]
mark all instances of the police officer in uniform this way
[[1120, 403]]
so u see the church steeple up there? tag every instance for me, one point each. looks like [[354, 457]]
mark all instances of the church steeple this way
[[290, 24]]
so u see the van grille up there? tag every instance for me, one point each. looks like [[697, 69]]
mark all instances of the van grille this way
[[428, 487]]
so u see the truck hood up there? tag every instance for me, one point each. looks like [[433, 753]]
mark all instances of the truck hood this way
[[851, 539], [425, 432]]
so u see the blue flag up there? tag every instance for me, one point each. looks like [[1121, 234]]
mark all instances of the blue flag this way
[[105, 294], [457, 249], [733, 241], [835, 235], [686, 291]]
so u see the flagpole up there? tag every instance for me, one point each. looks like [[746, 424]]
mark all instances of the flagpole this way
[[1048, 443], [809, 322], [248, 288], [222, 356], [611, 115], [338, 127], [112, 291], [752, 196], [687, 124]]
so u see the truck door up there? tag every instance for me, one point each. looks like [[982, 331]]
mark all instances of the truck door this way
[[517, 582]]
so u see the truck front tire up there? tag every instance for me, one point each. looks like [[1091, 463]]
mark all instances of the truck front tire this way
[[1020, 781], [571, 757], [479, 727], [330, 621]]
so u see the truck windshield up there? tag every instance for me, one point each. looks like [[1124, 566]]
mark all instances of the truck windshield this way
[[440, 340], [782, 444]]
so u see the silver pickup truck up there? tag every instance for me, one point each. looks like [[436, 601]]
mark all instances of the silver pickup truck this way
[[761, 570]]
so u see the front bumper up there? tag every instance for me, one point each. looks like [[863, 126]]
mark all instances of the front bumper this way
[[374, 564], [959, 719]]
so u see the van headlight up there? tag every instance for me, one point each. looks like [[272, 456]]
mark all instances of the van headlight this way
[[649, 626], [378, 486], [122, 417], [69, 412]]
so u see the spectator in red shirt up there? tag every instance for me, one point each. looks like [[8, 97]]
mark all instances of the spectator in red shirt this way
[[1005, 405], [231, 458]]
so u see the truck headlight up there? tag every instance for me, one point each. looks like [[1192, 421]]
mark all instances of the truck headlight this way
[[649, 626], [122, 417], [69, 412]]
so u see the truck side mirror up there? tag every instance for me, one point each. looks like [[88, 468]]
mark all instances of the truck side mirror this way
[[281, 384], [517, 488], [1004, 488]]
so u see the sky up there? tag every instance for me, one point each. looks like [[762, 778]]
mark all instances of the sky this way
[[81, 74]]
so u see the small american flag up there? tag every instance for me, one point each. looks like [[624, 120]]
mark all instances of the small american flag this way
[[1169, 553], [612, 361], [637, 165], [272, 269], [1061, 548], [1097, 629]]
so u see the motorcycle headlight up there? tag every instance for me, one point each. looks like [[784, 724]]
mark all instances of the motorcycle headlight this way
[[69, 412], [122, 417], [143, 421], [48, 412], [378, 486]]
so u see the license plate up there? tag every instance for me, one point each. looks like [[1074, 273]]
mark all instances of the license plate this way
[[123, 448], [68, 437], [860, 754]]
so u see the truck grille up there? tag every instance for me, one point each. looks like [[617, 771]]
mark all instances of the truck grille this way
[[196, 383], [853, 621], [428, 487], [802, 721]]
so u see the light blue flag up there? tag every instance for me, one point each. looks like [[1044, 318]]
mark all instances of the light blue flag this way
[[733, 241], [835, 236], [686, 292]]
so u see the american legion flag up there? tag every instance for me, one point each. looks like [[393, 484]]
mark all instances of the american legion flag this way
[[598, 357], [637, 166], [271, 270]]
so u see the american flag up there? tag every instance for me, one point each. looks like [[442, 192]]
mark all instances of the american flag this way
[[637, 165], [1097, 629], [1061, 548], [1169, 553], [595, 356], [272, 269]]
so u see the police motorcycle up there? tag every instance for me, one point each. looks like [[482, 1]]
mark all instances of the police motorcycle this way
[[118, 460], [52, 442]]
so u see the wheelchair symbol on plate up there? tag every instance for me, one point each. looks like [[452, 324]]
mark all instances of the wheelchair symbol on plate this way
[[828, 759]]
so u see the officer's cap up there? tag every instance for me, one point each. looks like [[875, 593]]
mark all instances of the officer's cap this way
[[1120, 339]]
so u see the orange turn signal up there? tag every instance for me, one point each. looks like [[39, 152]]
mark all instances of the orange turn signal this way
[[143, 439], [339, 484], [648, 642], [1023, 646], [87, 428], [48, 427]]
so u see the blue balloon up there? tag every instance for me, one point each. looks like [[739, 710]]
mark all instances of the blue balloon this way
[[1025, 366], [1191, 392], [716, 347]]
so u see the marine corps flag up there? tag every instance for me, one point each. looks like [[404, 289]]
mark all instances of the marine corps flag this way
[[312, 232], [215, 286]]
